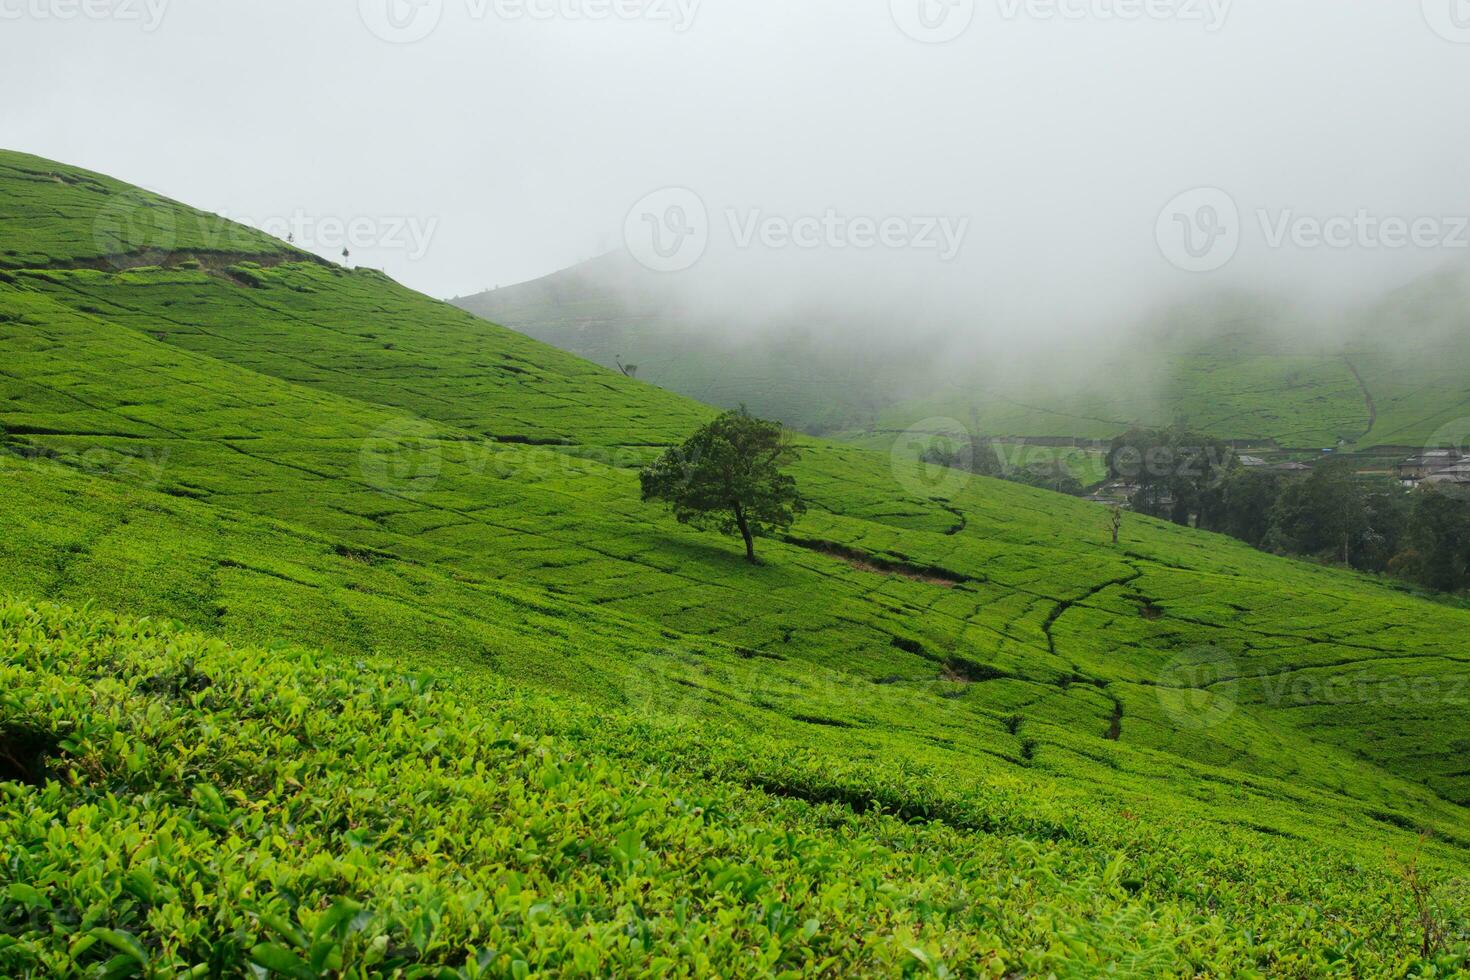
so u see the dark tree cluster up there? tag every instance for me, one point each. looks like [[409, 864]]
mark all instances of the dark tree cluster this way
[[1332, 513], [980, 456], [1177, 474]]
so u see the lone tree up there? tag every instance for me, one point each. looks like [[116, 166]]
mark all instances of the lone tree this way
[[727, 477]]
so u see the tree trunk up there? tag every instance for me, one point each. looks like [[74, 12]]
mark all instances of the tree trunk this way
[[745, 533]]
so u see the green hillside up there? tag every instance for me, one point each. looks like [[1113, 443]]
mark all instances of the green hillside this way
[[1391, 375], [1002, 744], [611, 311]]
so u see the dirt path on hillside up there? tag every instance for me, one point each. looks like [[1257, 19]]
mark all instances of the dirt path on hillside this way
[[1367, 396]]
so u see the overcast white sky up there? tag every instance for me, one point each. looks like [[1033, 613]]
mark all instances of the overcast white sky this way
[[515, 136]]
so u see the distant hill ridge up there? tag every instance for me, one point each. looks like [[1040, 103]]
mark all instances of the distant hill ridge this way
[[1391, 374]]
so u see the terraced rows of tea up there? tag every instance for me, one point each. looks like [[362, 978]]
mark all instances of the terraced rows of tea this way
[[220, 810], [218, 431]]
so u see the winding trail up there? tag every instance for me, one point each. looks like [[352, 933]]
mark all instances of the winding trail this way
[[1367, 396]]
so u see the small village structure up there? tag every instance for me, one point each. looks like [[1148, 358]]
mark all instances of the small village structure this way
[[1435, 466]]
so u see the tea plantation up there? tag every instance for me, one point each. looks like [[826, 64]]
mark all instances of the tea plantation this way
[[946, 727]]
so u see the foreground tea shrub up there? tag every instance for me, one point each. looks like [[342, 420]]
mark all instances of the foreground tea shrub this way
[[174, 806]]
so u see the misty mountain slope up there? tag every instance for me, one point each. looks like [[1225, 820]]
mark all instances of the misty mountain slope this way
[[612, 312], [284, 449], [1237, 368], [1410, 351]]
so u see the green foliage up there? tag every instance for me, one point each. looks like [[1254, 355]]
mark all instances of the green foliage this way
[[1438, 555], [1239, 368], [295, 453], [1040, 467], [1335, 513], [213, 811], [1178, 473], [728, 476], [1247, 498]]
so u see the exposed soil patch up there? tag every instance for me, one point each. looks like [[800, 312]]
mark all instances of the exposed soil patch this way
[[745, 653], [911, 646], [212, 262], [959, 514], [825, 722], [1367, 396], [533, 440], [1115, 729], [864, 562], [963, 671]]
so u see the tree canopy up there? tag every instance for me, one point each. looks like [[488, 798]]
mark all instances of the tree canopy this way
[[727, 477]]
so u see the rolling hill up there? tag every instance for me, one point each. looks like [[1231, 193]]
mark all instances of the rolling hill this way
[[946, 726], [1241, 368]]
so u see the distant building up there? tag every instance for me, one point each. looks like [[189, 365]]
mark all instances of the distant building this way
[[1456, 474], [1257, 463], [1115, 492], [1417, 469]]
